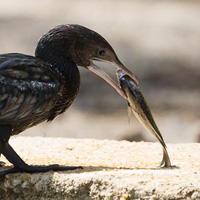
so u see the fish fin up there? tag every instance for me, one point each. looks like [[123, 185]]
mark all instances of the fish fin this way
[[129, 113], [166, 160]]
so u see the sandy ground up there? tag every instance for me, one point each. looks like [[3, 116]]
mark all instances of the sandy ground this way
[[158, 41], [111, 170]]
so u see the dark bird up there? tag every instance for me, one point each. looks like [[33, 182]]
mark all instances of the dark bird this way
[[38, 89]]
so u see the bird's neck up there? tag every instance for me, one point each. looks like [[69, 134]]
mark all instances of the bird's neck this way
[[52, 56], [67, 68]]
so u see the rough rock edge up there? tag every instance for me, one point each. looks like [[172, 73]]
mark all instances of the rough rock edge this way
[[98, 182]]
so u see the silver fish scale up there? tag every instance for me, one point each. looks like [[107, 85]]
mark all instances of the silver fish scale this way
[[139, 106]]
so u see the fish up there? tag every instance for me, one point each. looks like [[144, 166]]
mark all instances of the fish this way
[[138, 104]]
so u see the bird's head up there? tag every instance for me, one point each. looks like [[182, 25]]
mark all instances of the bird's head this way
[[83, 46]]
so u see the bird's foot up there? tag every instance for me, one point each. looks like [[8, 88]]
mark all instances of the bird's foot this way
[[21, 166], [8, 171], [34, 169]]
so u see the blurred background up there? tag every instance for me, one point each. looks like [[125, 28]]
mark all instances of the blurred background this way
[[157, 40]]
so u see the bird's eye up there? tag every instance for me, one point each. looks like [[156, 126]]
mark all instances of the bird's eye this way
[[101, 51]]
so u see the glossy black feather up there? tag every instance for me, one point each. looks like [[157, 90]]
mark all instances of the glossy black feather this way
[[31, 91]]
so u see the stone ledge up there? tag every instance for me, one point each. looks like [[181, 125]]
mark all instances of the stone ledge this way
[[112, 170]]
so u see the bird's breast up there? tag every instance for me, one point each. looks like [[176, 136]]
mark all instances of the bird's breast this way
[[69, 90]]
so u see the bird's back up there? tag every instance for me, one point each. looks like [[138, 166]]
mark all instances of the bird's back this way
[[29, 91]]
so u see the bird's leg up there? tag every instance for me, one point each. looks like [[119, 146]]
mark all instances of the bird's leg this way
[[1, 162], [5, 132], [19, 164]]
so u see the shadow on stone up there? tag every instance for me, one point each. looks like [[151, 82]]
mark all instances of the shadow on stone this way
[[137, 137]]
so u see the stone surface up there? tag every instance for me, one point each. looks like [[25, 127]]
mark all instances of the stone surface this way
[[111, 170], [157, 40]]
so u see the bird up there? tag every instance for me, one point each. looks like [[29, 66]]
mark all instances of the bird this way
[[34, 89]]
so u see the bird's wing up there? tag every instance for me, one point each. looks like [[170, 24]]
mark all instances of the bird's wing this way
[[28, 87]]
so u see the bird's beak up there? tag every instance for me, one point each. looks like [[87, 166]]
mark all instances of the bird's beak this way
[[98, 71], [121, 67]]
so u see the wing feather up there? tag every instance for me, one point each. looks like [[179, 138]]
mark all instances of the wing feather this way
[[28, 87]]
